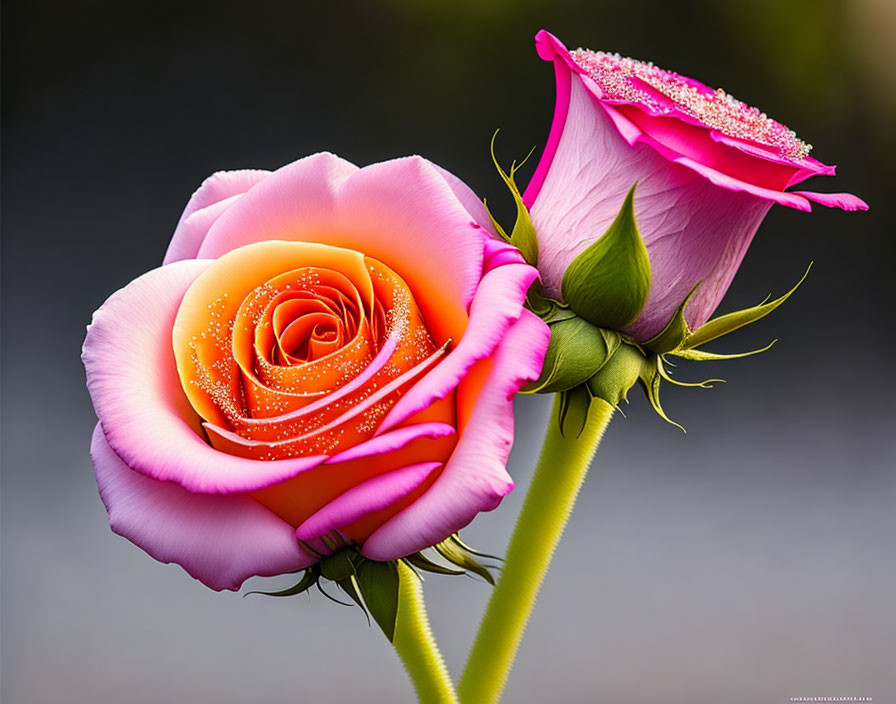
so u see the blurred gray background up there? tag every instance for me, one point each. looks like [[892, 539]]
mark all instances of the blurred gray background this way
[[749, 561]]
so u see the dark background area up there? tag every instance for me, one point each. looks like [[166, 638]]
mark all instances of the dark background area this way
[[748, 561]]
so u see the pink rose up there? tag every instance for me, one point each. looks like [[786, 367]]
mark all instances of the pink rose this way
[[707, 168], [327, 356]]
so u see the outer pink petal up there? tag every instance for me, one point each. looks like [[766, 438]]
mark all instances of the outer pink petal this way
[[496, 307], [137, 394], [375, 494], [550, 48], [475, 478], [473, 204], [219, 540], [713, 230], [212, 198], [401, 212]]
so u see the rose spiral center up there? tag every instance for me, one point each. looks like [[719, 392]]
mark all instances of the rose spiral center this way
[[290, 349]]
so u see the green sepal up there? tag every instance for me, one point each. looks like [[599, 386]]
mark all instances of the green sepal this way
[[577, 351], [455, 538], [378, 584], [618, 375], [309, 579], [650, 381], [676, 330], [373, 585], [457, 554], [340, 565], [320, 588], [422, 562], [574, 406], [702, 356], [548, 309], [664, 373], [608, 283], [523, 235], [732, 321]]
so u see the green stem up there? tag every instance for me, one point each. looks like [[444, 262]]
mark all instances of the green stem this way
[[415, 645], [558, 477]]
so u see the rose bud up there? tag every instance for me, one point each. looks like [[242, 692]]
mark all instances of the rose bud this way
[[707, 167], [326, 358]]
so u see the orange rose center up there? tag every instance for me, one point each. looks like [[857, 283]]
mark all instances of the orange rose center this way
[[290, 349]]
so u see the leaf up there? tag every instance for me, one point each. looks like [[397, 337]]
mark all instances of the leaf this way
[[523, 235], [576, 352], [574, 406], [732, 321], [701, 356], [608, 283], [377, 583], [676, 329]]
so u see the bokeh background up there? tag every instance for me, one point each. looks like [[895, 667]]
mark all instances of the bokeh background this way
[[748, 561]]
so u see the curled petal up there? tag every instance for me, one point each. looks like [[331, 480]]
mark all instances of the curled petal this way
[[219, 540], [394, 440], [496, 307], [475, 478], [133, 382]]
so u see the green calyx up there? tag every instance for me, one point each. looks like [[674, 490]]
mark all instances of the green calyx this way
[[374, 586], [604, 290], [586, 362], [577, 352]]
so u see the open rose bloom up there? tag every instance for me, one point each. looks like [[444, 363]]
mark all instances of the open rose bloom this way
[[327, 357], [707, 169]]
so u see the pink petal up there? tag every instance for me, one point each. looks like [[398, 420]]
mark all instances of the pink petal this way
[[401, 212], [473, 203], [219, 540], [548, 48], [845, 201], [496, 307], [475, 478], [498, 253], [394, 440], [137, 394], [700, 196], [371, 496], [212, 198], [713, 229], [693, 229]]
